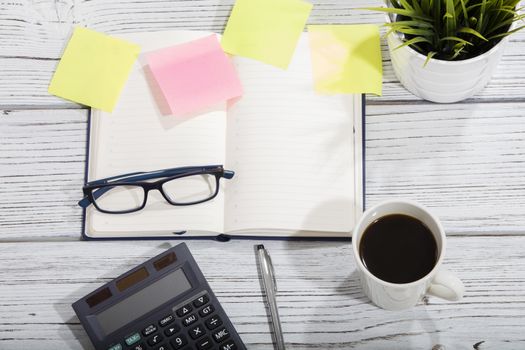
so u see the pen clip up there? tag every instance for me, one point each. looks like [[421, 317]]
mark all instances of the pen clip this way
[[271, 271]]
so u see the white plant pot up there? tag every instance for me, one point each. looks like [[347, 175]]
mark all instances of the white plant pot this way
[[442, 81]]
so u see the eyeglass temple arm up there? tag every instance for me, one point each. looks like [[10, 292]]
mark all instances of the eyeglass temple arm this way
[[159, 173], [228, 174], [139, 176], [85, 202]]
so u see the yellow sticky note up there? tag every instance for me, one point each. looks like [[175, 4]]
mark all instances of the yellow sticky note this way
[[266, 30], [93, 69], [346, 58]]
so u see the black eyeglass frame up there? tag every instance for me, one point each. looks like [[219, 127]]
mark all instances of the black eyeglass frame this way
[[94, 189]]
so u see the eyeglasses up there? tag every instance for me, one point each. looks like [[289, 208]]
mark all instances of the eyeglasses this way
[[179, 186]]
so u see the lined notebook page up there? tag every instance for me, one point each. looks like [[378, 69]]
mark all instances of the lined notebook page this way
[[293, 151], [137, 137]]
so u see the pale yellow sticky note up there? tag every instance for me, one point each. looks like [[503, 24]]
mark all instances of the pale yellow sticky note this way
[[346, 59], [266, 30], [93, 69]]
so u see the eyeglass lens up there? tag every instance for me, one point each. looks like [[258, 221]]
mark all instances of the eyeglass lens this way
[[183, 190], [190, 189], [121, 198]]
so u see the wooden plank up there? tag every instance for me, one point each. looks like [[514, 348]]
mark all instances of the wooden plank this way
[[34, 35], [463, 161], [321, 303], [42, 155]]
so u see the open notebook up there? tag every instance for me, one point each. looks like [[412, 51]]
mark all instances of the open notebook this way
[[297, 156]]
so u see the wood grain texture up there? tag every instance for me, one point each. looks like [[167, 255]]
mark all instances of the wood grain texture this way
[[42, 157], [34, 34], [320, 301], [463, 161]]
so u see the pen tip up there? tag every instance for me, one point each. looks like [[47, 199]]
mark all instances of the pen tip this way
[[260, 246]]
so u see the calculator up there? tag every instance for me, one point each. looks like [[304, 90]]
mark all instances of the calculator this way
[[162, 304]]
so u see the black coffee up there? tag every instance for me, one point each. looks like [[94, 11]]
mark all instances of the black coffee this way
[[398, 249]]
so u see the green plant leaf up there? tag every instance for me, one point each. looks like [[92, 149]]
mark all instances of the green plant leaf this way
[[437, 14], [410, 24], [401, 12], [418, 39], [404, 4], [502, 35], [450, 18], [483, 8], [395, 3], [499, 12], [457, 52], [425, 6], [502, 11], [415, 31], [418, 48], [452, 29], [473, 7], [458, 9], [471, 31], [390, 31], [506, 23], [429, 56], [510, 11], [417, 6], [512, 3], [464, 10], [455, 38]]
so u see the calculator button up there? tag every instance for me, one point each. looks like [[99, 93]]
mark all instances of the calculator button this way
[[189, 320], [140, 346], [149, 330], [178, 342], [201, 301], [171, 330], [154, 340], [183, 311], [166, 320], [229, 345], [220, 335], [213, 322], [204, 344], [132, 339], [115, 347], [207, 310], [162, 347], [197, 331]]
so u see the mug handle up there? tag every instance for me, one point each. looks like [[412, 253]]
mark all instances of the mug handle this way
[[447, 286]]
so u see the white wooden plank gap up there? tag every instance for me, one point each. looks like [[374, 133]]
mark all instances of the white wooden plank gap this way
[[463, 161], [320, 301], [34, 35], [42, 157]]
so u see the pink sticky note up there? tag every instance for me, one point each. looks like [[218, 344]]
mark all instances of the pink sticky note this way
[[195, 75]]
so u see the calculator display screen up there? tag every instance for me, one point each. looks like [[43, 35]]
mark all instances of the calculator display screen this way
[[140, 303]]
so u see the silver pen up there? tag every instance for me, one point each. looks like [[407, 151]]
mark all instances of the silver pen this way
[[270, 289]]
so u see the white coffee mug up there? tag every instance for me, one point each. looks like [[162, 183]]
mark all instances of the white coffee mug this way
[[397, 296]]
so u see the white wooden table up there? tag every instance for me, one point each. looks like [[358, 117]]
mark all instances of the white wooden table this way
[[465, 161]]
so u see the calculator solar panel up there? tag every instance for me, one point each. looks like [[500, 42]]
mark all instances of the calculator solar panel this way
[[162, 304]]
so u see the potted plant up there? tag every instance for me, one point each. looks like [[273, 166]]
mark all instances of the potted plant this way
[[446, 50]]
